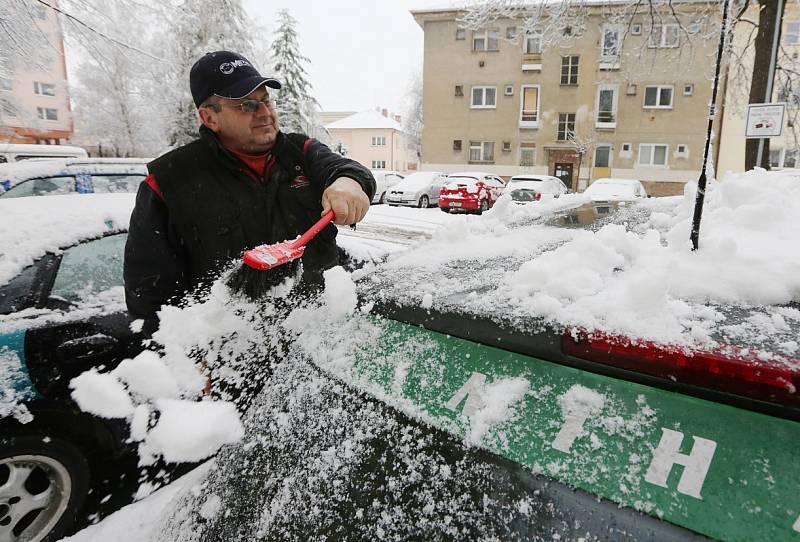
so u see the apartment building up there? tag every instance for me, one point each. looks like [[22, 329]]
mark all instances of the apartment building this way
[[34, 96], [613, 96], [374, 139]]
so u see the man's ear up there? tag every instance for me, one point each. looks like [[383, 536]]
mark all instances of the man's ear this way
[[208, 117]]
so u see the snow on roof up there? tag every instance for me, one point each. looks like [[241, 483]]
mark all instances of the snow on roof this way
[[31, 227], [365, 120], [42, 167]]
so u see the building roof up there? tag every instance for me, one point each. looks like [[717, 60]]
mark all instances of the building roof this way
[[365, 119]]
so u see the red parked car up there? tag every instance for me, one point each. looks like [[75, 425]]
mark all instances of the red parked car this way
[[470, 192]]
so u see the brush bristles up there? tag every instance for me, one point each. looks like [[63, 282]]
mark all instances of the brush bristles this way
[[255, 284]]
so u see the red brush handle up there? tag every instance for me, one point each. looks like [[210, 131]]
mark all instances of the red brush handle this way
[[313, 230]]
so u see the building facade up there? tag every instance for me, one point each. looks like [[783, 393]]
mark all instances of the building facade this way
[[34, 94], [610, 99], [375, 140]]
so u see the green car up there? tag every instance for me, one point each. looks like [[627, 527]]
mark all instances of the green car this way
[[451, 404]]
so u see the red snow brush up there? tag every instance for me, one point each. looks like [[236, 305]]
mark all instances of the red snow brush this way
[[252, 278], [265, 257]]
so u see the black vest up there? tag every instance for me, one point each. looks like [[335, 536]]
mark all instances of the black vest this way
[[218, 209]]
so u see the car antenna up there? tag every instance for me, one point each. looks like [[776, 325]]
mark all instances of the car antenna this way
[[701, 182]]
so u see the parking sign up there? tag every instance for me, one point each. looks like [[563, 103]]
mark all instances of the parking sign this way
[[765, 120]]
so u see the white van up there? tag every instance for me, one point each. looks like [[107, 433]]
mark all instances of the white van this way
[[14, 152]]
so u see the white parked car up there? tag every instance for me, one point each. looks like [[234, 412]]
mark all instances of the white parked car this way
[[384, 179], [16, 152], [52, 176], [528, 188], [607, 189], [420, 189]]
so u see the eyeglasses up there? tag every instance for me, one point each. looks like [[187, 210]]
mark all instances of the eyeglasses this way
[[250, 106]]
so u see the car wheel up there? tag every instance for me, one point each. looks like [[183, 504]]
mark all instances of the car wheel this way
[[383, 198], [484, 206], [43, 484], [423, 202]]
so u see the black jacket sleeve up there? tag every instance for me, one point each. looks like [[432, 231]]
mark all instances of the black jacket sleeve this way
[[153, 270], [325, 166]]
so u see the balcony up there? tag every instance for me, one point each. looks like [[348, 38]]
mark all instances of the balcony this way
[[532, 62], [529, 119]]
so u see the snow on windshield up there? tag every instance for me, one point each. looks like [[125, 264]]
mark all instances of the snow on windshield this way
[[31, 227], [637, 277]]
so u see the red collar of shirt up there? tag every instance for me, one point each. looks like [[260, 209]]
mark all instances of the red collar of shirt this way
[[257, 163]]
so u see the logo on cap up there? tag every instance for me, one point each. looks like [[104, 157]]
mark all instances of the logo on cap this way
[[228, 67]]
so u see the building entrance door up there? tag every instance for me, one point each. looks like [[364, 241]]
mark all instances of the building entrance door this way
[[564, 172]]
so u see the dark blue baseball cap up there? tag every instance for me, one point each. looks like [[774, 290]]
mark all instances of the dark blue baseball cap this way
[[225, 74]]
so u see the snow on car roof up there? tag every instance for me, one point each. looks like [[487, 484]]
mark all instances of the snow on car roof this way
[[31, 227], [16, 172], [610, 180], [632, 273], [417, 180]]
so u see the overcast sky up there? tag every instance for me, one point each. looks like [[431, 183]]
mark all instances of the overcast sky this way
[[363, 53]]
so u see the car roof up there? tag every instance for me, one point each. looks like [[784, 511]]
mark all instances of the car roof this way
[[45, 167], [540, 245], [31, 227], [472, 174]]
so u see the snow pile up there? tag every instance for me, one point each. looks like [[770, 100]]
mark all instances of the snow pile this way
[[191, 431], [30, 227], [340, 292], [632, 272], [101, 394]]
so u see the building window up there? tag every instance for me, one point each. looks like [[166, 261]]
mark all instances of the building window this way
[[457, 145], [379, 164], [532, 44], [527, 154], [610, 45], [775, 157], [506, 146], [459, 90], [792, 36], [484, 97], [569, 70], [602, 156], [652, 155], [529, 113], [461, 34], [44, 89], [658, 97], [378, 141], [688, 89], [511, 32], [6, 84], [47, 113], [481, 151], [486, 40], [789, 159], [606, 106], [566, 126], [509, 90], [664, 36], [682, 151], [636, 29]]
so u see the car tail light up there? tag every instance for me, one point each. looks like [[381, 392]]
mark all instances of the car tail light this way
[[727, 369], [537, 196]]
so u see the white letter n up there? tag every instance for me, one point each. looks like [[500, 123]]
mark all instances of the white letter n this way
[[472, 390], [695, 464]]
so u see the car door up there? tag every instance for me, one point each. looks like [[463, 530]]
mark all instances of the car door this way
[[86, 280]]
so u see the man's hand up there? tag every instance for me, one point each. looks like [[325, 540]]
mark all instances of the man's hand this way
[[347, 199]]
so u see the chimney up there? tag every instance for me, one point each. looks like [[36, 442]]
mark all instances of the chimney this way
[[397, 119], [385, 112]]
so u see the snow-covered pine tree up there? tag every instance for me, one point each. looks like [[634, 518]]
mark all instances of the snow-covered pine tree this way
[[202, 26], [295, 98]]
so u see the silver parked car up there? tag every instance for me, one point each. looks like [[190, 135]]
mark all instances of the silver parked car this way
[[419, 189], [607, 189], [384, 179], [528, 188]]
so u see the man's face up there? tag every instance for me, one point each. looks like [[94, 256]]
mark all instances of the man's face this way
[[238, 130]]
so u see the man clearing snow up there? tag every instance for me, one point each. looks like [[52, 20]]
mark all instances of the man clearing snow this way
[[243, 183]]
